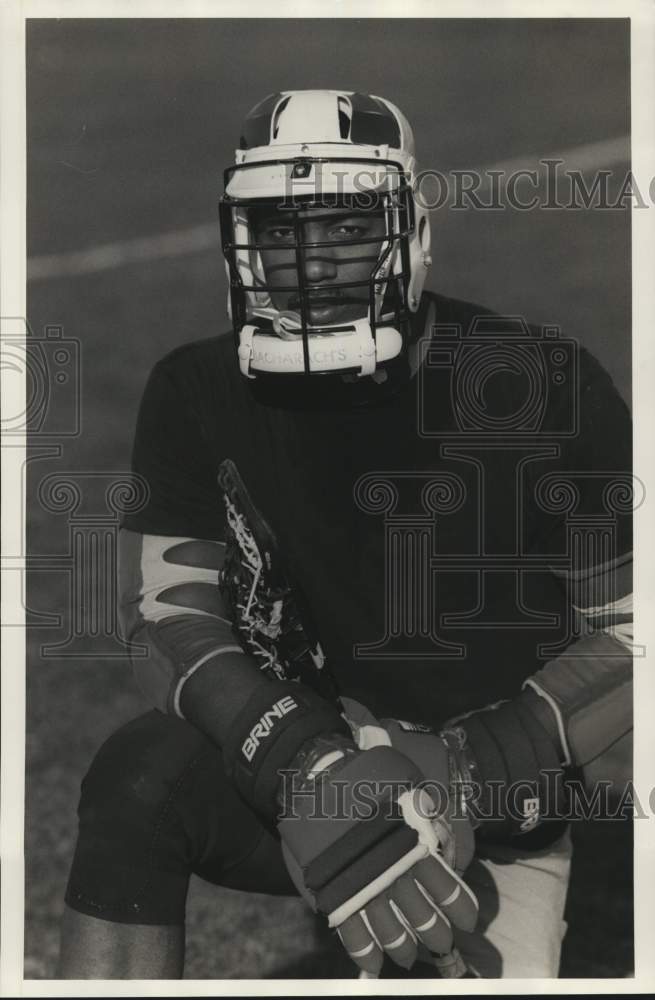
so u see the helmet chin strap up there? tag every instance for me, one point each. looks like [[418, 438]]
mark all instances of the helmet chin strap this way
[[286, 323]]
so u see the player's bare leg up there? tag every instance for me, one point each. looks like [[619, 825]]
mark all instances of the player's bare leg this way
[[103, 949]]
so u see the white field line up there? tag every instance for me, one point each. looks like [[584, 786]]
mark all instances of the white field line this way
[[195, 239], [105, 256]]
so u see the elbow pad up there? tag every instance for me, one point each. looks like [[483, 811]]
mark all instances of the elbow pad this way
[[585, 696], [176, 648], [171, 604]]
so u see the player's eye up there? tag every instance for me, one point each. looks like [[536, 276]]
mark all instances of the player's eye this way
[[355, 228], [347, 232], [280, 234]]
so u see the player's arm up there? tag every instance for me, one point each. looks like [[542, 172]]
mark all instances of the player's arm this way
[[191, 664], [172, 614], [186, 657], [271, 731], [170, 553], [584, 698], [514, 763], [572, 722]]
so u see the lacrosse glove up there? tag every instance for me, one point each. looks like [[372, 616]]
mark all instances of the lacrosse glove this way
[[367, 846]]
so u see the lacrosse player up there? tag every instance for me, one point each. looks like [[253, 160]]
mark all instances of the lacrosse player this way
[[379, 595]]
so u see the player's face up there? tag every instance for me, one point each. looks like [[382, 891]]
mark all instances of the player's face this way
[[335, 262]]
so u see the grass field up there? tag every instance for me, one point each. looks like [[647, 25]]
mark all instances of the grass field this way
[[129, 126]]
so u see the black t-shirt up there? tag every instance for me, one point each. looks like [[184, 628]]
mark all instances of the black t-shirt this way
[[422, 521]]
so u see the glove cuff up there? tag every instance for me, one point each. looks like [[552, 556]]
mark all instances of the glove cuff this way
[[514, 769], [266, 735]]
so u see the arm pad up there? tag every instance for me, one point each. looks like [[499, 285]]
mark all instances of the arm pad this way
[[575, 713], [585, 698]]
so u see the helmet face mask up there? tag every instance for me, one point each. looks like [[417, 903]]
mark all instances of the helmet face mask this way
[[323, 265], [321, 239]]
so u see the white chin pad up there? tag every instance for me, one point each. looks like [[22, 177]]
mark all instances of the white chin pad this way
[[260, 351]]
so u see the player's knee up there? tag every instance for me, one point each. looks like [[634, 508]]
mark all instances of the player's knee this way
[[133, 785], [134, 850]]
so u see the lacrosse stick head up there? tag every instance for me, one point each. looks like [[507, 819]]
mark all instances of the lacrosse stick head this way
[[266, 606]]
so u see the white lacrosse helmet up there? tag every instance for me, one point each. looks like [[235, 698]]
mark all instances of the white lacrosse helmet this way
[[306, 149]]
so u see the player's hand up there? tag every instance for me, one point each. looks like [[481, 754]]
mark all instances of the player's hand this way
[[436, 758], [365, 846]]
